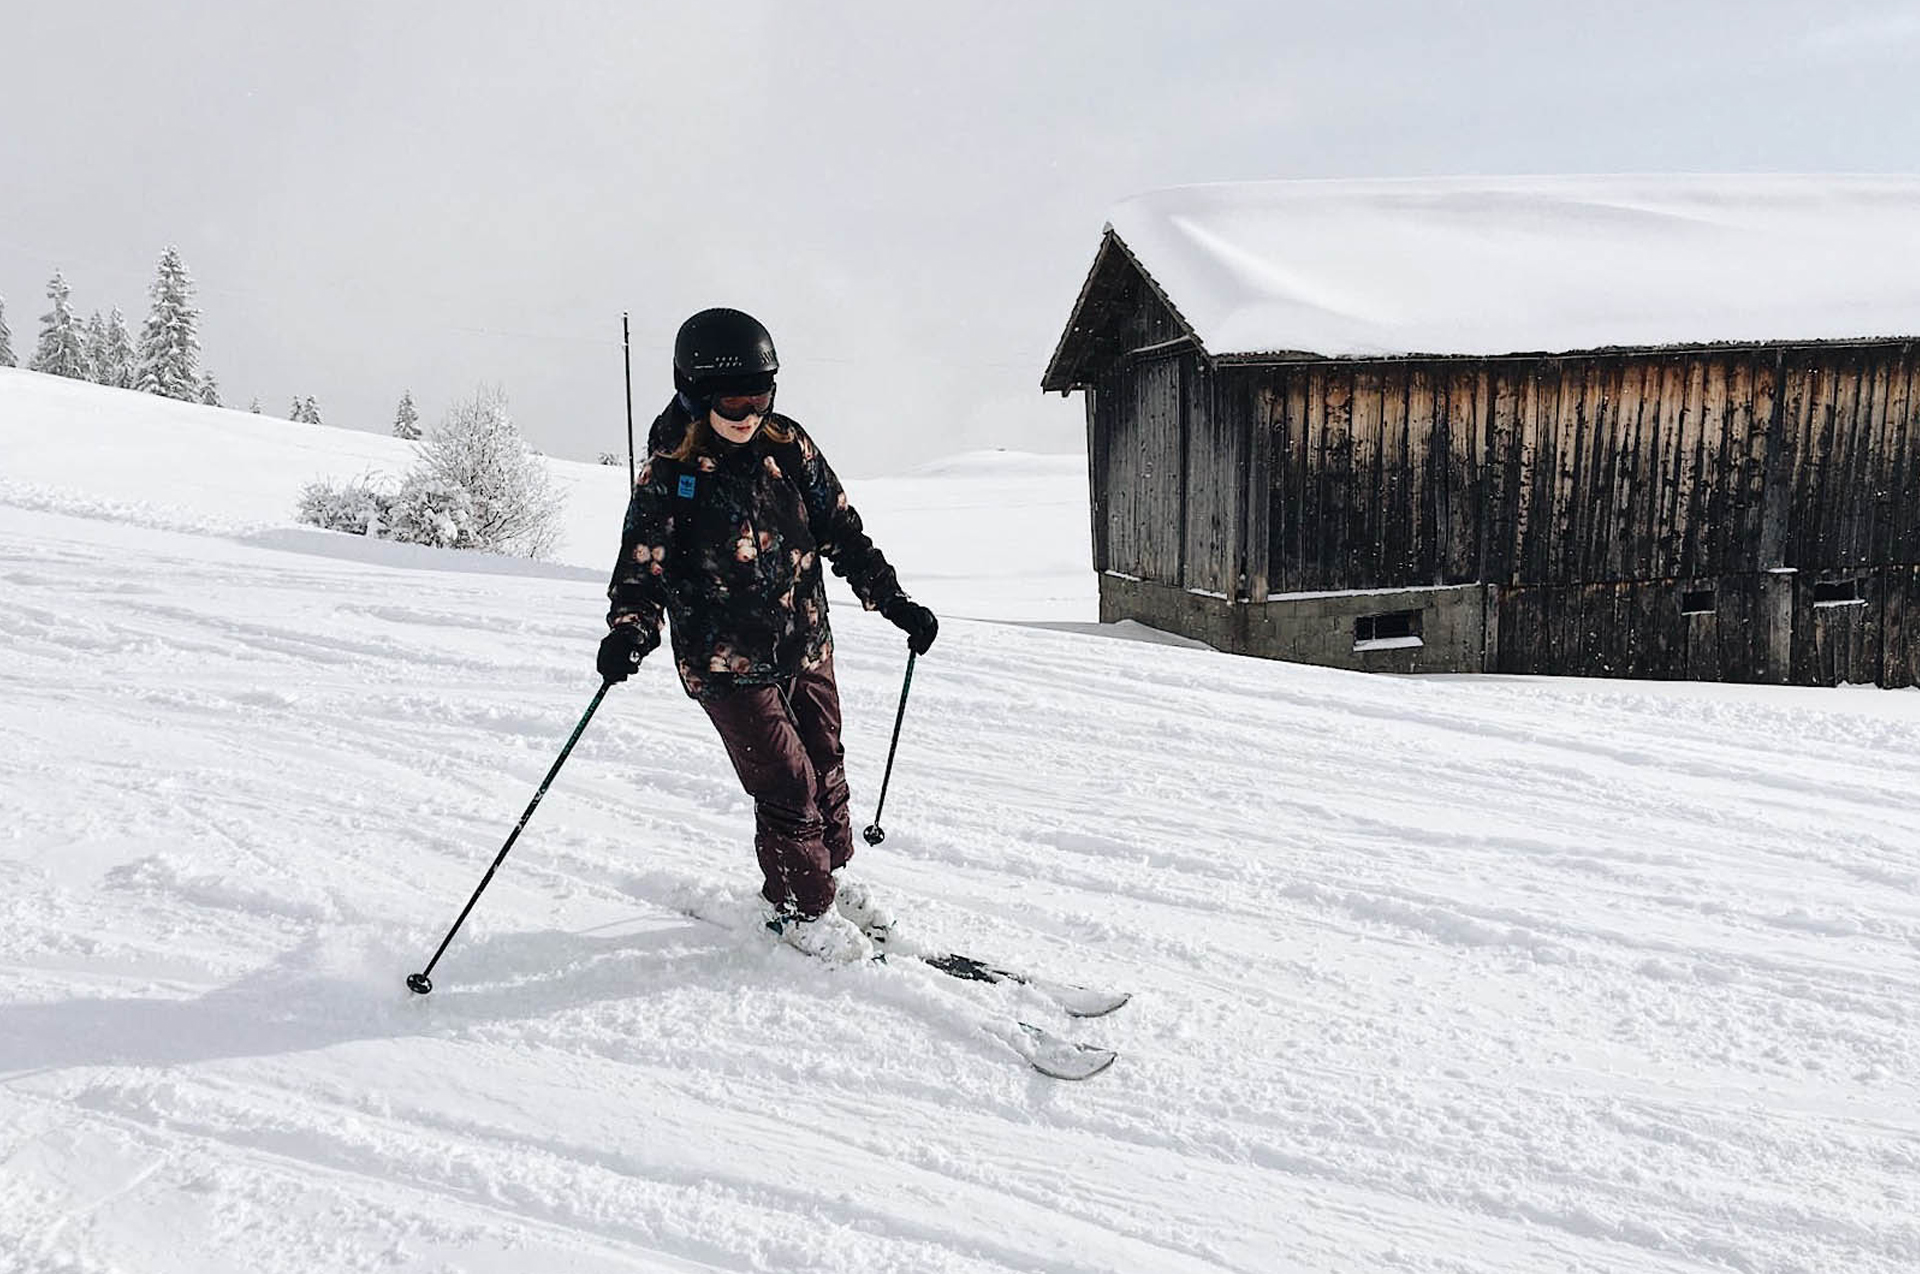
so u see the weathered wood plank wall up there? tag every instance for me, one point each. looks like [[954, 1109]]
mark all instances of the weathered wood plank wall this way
[[1128, 480], [1140, 484], [1839, 642], [1375, 475], [1217, 456], [1900, 625], [1636, 629], [1591, 469], [1594, 490], [1170, 474], [1848, 426]]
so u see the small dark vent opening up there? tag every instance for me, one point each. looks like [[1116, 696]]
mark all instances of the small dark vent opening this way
[[1697, 601], [1838, 592], [1394, 628]]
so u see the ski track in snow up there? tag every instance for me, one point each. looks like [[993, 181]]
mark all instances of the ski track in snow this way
[[1429, 975]]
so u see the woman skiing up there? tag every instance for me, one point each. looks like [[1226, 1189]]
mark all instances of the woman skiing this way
[[730, 517]]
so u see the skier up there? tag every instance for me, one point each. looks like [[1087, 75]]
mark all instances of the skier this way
[[730, 516]]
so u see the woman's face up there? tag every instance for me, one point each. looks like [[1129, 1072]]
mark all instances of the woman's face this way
[[737, 409], [734, 431]]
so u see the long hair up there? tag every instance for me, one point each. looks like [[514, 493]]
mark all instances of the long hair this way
[[698, 439]]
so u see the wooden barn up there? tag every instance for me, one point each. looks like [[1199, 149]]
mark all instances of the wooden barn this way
[[1657, 427]]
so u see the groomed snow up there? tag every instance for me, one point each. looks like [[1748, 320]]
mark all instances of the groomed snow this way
[[1440, 975], [1500, 265]]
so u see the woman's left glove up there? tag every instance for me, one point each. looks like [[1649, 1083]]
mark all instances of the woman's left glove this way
[[622, 649], [913, 619]]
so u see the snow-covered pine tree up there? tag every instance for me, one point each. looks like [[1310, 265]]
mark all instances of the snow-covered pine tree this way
[[118, 370], [97, 348], [169, 363], [6, 337], [298, 415], [63, 345], [209, 390], [312, 412], [406, 422], [254, 406]]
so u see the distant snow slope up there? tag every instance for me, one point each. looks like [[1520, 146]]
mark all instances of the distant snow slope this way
[[1429, 975], [996, 535]]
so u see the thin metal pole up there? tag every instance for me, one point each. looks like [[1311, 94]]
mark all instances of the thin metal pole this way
[[626, 355], [419, 983], [875, 833]]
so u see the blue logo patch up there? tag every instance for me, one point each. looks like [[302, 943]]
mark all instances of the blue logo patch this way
[[686, 486]]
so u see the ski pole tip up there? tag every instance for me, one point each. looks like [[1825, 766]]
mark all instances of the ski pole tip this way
[[419, 983], [873, 835]]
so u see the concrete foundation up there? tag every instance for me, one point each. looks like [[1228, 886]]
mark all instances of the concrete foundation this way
[[1328, 629]]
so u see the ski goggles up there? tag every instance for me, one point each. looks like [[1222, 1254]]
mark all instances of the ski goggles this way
[[740, 406], [737, 397]]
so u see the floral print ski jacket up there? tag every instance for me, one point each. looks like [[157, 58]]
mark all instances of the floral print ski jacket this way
[[729, 546]]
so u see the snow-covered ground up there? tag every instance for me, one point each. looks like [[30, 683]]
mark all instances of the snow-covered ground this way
[[1429, 975], [994, 534]]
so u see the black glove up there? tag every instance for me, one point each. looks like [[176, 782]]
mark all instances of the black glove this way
[[913, 619], [622, 649]]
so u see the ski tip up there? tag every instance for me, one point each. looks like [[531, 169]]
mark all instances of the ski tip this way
[[1081, 1001], [1059, 1058], [1092, 1062]]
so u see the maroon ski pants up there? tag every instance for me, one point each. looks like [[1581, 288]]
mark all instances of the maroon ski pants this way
[[784, 742]]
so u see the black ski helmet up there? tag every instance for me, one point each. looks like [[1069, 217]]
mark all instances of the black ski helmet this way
[[722, 345]]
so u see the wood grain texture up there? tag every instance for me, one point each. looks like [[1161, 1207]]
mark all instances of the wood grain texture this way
[[1596, 490]]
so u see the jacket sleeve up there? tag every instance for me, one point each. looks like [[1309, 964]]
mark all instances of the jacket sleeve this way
[[837, 530], [638, 591]]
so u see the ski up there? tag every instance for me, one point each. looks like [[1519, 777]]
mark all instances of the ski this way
[[1075, 1001], [1051, 1055]]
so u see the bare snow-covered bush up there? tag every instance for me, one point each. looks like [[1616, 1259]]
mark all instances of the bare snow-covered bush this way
[[477, 486], [515, 507], [431, 510], [357, 507]]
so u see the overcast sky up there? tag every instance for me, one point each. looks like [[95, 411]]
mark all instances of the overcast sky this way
[[428, 196]]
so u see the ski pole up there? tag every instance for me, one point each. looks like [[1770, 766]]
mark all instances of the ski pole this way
[[419, 983], [626, 355], [875, 833]]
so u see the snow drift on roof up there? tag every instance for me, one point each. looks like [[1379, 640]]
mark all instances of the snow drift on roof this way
[[1482, 266]]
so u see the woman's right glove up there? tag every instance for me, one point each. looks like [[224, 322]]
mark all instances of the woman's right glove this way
[[622, 649], [913, 619]]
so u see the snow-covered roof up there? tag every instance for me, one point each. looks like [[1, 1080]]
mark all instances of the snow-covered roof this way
[[1500, 265]]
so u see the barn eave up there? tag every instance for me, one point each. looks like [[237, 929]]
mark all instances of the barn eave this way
[[1114, 266]]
